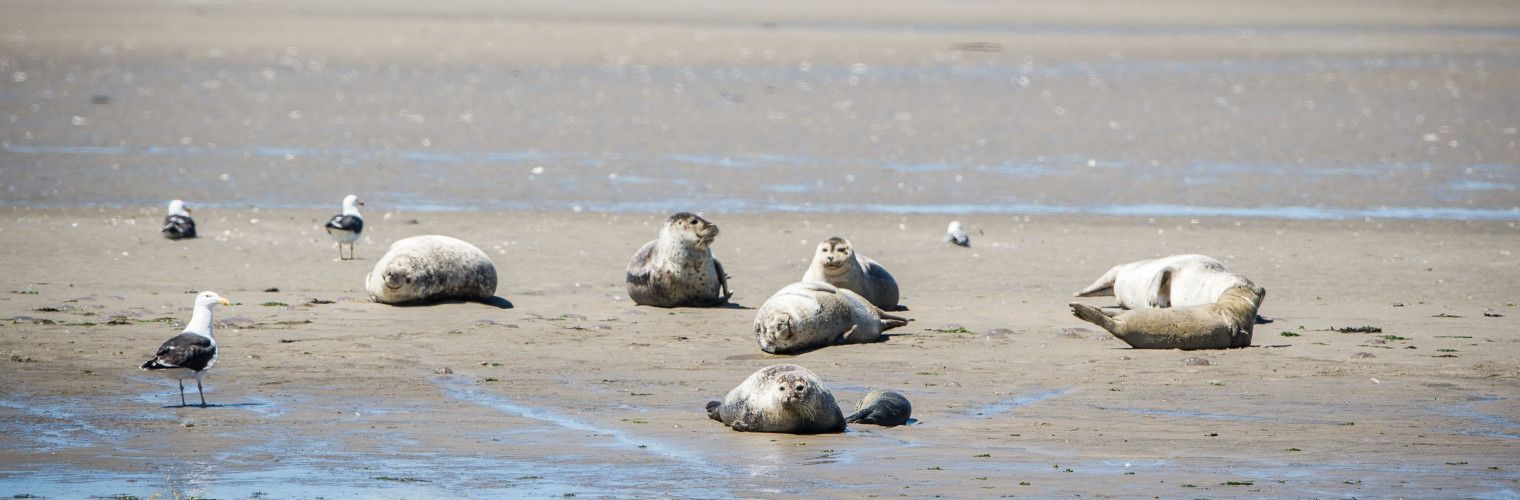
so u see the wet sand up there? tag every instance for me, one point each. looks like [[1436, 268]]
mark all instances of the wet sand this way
[[575, 390], [1290, 109]]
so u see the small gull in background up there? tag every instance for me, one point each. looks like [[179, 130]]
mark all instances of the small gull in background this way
[[345, 227], [178, 223], [957, 234]]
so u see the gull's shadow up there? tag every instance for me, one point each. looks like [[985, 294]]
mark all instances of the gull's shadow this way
[[216, 405]]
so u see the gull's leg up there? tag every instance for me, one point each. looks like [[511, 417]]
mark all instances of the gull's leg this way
[[202, 391]]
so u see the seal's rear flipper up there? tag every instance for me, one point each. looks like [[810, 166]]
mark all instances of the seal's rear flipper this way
[[889, 321], [1103, 286], [859, 416], [1092, 315], [712, 410]]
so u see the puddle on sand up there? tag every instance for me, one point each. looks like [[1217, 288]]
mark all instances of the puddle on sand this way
[[1013, 403], [1496, 426], [415, 475], [456, 388], [51, 424]]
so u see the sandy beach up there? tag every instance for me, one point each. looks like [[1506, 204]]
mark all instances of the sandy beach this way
[[1358, 161], [575, 390]]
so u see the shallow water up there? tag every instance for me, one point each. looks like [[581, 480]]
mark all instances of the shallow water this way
[[1128, 137]]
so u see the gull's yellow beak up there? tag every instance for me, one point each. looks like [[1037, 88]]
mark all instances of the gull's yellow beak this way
[[188, 210], [223, 301], [361, 203]]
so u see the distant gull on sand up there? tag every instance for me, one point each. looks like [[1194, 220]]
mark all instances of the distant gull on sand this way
[[178, 224], [345, 227], [190, 354], [957, 234]]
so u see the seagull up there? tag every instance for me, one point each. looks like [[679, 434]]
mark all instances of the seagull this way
[[178, 224], [345, 227], [957, 234], [190, 354]]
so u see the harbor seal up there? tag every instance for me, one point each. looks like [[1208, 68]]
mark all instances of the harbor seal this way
[[836, 263], [1175, 281], [779, 398], [678, 269], [884, 408], [431, 268], [1223, 324], [807, 314]]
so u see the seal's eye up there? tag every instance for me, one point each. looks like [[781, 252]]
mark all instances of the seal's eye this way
[[799, 387], [782, 388]]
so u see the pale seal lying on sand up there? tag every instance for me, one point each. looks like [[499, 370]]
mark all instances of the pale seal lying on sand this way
[[678, 269], [879, 407], [836, 263], [1226, 323], [779, 398], [807, 314], [432, 268], [1175, 281]]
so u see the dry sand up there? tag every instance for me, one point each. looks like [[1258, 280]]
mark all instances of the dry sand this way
[[575, 390]]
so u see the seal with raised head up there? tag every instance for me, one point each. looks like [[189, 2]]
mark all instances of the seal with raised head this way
[[809, 314], [884, 408], [1174, 281], [432, 268], [837, 263], [1223, 324], [779, 398], [678, 269]]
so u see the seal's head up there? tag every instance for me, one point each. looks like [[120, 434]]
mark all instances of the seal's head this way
[[833, 255], [775, 329], [790, 385], [690, 228], [392, 279]]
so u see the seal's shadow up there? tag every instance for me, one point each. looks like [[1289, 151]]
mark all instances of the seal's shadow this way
[[731, 305], [495, 301]]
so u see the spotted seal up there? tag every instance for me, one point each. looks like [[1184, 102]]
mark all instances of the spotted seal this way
[[1226, 323], [837, 263], [808, 314], [431, 268], [1174, 281], [779, 398], [678, 269], [884, 408]]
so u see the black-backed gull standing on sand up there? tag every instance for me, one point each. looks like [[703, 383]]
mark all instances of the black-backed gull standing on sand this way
[[178, 223], [345, 227], [190, 354]]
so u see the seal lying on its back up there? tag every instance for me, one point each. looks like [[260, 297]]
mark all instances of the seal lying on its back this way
[[807, 314], [431, 268], [1175, 281], [779, 398], [1226, 323], [836, 263], [879, 407], [678, 269]]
